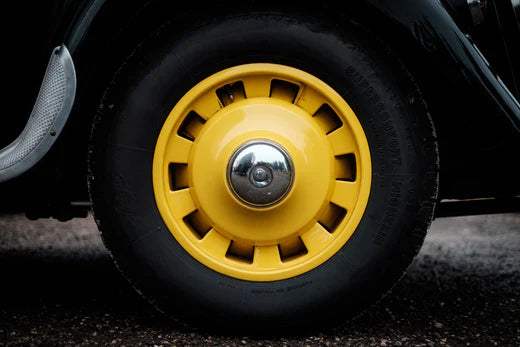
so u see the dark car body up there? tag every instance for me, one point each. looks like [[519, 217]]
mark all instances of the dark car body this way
[[467, 68]]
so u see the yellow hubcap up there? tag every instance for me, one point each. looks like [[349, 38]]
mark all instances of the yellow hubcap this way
[[233, 232]]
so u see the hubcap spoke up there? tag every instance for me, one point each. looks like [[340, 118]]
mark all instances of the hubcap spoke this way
[[310, 100], [316, 239], [178, 150], [215, 243], [183, 202], [267, 257], [346, 194], [206, 105], [342, 141], [257, 86]]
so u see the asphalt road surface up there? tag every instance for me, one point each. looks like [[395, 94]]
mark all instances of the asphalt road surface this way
[[58, 286]]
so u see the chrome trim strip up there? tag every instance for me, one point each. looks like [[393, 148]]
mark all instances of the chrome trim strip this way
[[48, 117]]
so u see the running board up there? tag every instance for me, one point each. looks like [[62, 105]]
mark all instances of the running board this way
[[48, 117], [455, 208]]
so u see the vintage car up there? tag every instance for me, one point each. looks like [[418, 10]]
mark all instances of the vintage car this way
[[261, 165]]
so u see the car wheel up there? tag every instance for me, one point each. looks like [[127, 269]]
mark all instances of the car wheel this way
[[263, 171]]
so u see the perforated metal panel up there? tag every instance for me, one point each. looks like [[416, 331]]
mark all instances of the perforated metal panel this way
[[47, 118]]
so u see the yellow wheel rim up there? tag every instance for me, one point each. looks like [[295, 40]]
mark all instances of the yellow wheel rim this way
[[308, 121]]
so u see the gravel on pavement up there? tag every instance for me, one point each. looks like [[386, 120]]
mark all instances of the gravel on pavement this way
[[58, 286]]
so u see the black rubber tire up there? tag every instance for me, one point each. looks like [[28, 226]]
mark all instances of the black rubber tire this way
[[404, 160]]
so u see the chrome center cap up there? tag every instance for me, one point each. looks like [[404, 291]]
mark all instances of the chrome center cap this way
[[260, 173]]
